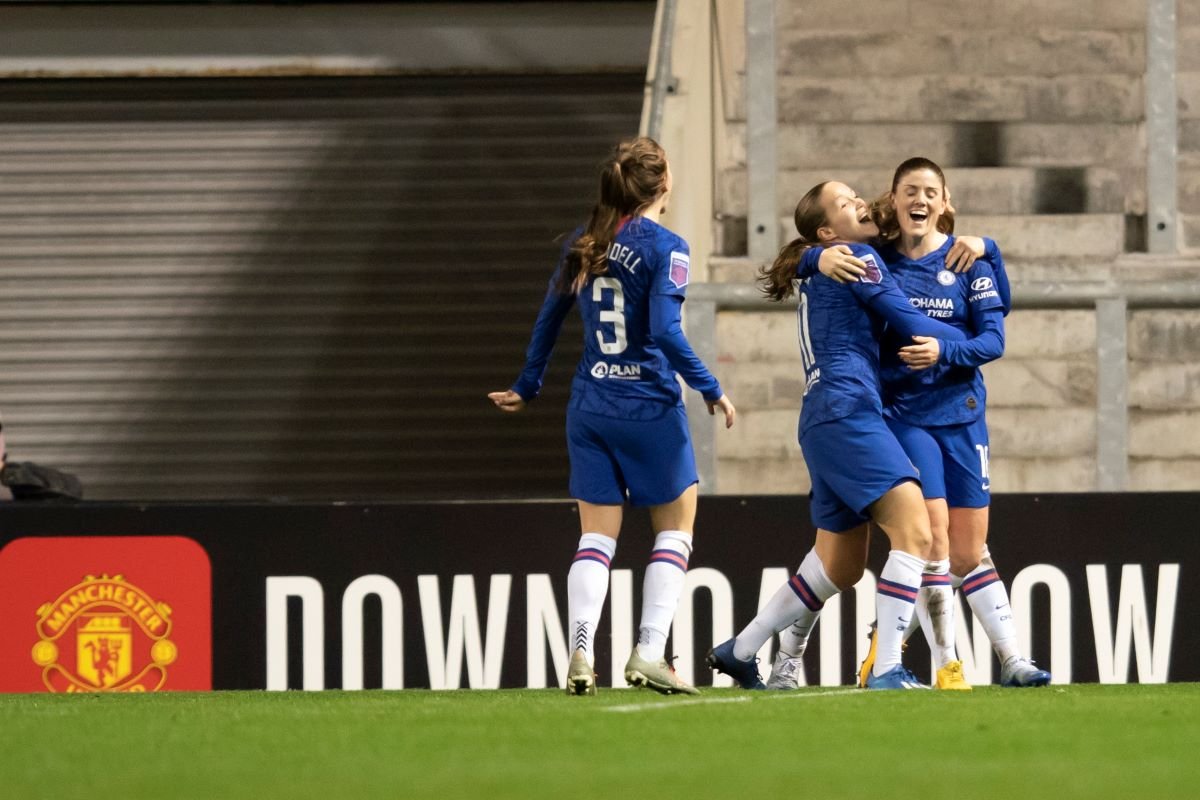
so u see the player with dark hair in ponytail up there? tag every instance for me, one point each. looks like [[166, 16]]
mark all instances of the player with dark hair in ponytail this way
[[935, 403], [859, 471], [627, 433]]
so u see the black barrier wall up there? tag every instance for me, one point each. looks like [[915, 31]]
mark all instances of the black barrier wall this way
[[474, 594]]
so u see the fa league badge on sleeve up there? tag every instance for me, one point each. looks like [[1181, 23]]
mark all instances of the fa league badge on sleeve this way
[[874, 275], [680, 269]]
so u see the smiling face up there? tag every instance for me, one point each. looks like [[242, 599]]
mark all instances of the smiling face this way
[[919, 198], [847, 217]]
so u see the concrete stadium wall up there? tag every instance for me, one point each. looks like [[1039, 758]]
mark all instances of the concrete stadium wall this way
[[1036, 111]]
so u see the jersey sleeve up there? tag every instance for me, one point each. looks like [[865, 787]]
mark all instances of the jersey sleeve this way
[[549, 322], [991, 252], [983, 290], [810, 261], [878, 291], [674, 271], [986, 345], [667, 332]]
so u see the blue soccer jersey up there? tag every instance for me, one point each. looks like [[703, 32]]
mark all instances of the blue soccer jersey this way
[[952, 391], [991, 253], [840, 327], [633, 338]]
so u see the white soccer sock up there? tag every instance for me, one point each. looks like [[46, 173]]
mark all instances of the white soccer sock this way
[[935, 608], [895, 596], [988, 598], [661, 588], [793, 609], [587, 586]]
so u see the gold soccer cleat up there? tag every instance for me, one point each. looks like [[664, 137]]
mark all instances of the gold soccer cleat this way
[[950, 677]]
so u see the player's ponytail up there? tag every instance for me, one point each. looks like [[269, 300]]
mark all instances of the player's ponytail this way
[[632, 178], [776, 281]]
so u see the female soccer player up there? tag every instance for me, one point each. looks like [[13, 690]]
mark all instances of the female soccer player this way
[[627, 433], [935, 404], [859, 471]]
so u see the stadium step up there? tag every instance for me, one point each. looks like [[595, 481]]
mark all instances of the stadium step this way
[[975, 190], [1100, 236], [971, 51], [954, 14]]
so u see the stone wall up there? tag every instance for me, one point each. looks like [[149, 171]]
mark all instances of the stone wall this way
[[1035, 109]]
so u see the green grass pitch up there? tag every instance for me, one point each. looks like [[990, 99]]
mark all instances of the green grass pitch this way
[[1083, 741]]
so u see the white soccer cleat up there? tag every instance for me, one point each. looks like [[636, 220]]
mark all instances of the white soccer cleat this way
[[1021, 672], [581, 679], [785, 673], [657, 675]]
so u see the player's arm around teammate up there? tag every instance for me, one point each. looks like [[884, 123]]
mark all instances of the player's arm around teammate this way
[[627, 434], [859, 471], [941, 419]]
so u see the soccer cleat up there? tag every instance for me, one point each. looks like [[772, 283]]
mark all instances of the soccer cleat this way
[[581, 680], [785, 673], [898, 677], [722, 659], [864, 669], [657, 675], [868, 663], [1020, 672], [950, 677]]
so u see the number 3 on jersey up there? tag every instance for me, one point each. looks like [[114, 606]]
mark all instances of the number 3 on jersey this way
[[615, 315]]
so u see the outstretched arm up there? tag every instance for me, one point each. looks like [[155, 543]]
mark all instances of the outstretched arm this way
[[554, 310]]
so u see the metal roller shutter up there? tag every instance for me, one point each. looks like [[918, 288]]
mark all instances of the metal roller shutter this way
[[299, 288]]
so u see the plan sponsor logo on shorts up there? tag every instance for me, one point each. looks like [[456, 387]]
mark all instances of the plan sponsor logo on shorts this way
[[680, 269], [621, 372]]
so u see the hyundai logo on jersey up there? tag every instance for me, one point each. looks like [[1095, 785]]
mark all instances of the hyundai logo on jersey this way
[[981, 284]]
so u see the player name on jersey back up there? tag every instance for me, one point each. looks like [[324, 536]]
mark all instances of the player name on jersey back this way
[[627, 257]]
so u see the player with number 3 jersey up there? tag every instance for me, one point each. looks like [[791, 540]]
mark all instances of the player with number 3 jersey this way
[[627, 433]]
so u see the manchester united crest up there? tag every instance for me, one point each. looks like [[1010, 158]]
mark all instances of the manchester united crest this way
[[104, 635]]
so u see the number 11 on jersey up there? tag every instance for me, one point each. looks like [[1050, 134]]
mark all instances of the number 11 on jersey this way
[[982, 449]]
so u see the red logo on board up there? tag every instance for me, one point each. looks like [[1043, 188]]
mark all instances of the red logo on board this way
[[105, 614]]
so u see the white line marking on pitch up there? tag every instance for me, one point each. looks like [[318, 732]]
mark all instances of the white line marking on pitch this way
[[675, 704], [811, 695], [715, 700]]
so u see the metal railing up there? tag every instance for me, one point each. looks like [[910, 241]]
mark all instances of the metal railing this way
[[1111, 300], [662, 82]]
